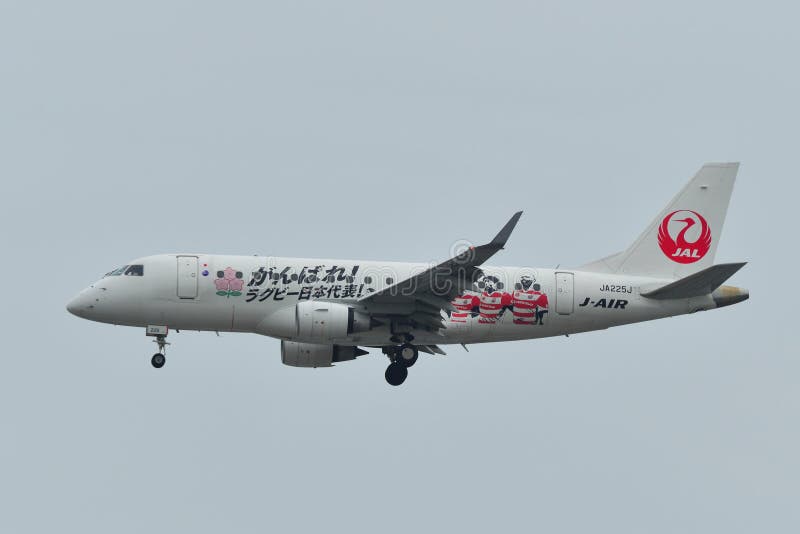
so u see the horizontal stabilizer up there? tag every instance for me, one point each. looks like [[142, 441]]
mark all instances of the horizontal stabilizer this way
[[700, 283]]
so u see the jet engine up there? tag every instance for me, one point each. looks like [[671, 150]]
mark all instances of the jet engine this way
[[315, 321], [322, 321], [313, 355]]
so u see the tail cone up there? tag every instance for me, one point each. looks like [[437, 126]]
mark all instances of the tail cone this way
[[727, 295]]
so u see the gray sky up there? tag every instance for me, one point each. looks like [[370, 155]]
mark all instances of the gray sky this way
[[379, 130]]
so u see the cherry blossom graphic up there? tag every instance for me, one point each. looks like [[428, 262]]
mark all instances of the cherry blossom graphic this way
[[229, 282]]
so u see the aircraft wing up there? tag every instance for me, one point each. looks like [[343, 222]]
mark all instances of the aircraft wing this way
[[420, 298]]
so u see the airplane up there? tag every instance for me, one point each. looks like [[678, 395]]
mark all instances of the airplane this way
[[327, 311]]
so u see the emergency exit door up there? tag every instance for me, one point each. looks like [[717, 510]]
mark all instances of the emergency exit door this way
[[187, 277], [565, 295]]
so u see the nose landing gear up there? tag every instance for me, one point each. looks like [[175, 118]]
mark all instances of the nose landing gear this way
[[402, 358], [158, 360]]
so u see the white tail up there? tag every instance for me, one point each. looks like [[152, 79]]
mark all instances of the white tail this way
[[683, 238]]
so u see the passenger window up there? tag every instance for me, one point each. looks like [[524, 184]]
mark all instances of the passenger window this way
[[135, 270], [367, 279], [390, 280]]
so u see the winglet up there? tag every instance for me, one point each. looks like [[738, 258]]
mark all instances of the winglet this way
[[502, 236]]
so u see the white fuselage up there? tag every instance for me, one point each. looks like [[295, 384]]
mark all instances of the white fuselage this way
[[257, 294]]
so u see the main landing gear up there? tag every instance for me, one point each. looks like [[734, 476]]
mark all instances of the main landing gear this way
[[402, 358], [158, 360]]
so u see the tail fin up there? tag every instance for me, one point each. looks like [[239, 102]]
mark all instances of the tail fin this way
[[683, 238]]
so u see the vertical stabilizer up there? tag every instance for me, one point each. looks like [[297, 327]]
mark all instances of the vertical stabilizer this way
[[683, 238]]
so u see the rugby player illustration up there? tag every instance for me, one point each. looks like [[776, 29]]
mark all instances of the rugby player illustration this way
[[528, 303], [465, 305], [493, 301]]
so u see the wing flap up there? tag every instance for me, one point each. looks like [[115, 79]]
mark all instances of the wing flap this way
[[437, 350]]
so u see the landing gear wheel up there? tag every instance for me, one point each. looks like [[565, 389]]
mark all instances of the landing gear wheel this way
[[158, 360], [407, 354], [396, 373]]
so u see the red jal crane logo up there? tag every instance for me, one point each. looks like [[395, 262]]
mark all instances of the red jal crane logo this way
[[679, 249]]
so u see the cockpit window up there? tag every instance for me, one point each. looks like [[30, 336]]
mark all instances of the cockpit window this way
[[135, 270], [117, 272]]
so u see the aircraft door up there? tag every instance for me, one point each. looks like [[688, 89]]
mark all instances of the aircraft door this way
[[187, 277], [565, 295]]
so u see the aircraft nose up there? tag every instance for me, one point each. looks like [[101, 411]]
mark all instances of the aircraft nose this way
[[74, 306], [80, 304]]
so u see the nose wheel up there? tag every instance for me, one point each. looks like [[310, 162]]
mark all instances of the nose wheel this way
[[402, 358], [158, 360]]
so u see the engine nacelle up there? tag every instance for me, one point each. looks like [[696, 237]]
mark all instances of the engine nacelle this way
[[316, 322], [326, 321], [314, 355]]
